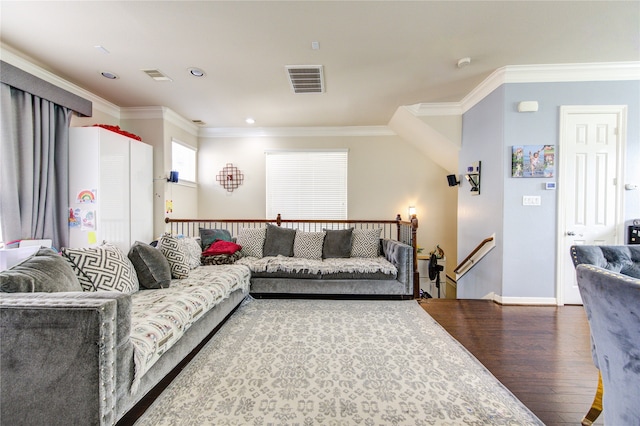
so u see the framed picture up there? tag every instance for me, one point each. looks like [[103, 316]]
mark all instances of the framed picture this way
[[533, 161]]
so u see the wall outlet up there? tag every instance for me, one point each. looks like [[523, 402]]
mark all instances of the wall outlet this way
[[531, 200]]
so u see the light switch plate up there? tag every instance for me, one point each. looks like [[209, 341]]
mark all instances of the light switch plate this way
[[531, 200]]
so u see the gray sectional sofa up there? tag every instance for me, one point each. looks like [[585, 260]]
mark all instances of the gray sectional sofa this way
[[353, 262], [340, 278], [87, 357], [81, 346]]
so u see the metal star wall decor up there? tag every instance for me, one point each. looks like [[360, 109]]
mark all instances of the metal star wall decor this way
[[230, 177]]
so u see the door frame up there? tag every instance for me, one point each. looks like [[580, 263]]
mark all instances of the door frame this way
[[565, 111]]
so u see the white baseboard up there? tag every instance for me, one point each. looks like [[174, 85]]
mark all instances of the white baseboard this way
[[538, 301]]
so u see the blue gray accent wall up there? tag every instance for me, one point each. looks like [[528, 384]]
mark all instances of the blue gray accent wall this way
[[480, 216], [523, 263]]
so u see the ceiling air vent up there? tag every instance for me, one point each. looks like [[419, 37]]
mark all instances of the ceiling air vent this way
[[198, 122], [157, 75], [306, 78]]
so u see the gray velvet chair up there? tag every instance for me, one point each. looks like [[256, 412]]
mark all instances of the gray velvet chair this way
[[622, 259], [612, 303]]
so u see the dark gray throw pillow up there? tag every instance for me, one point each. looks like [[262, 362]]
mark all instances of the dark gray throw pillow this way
[[337, 243], [208, 236], [279, 241], [44, 271], [152, 268]]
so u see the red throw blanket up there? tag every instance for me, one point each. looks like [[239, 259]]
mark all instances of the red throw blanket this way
[[221, 247]]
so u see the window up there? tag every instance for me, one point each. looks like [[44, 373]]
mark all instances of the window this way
[[183, 160], [307, 184]]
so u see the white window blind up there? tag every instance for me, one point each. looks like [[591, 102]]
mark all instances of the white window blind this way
[[307, 184]]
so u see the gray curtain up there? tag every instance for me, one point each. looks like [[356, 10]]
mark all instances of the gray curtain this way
[[34, 167]]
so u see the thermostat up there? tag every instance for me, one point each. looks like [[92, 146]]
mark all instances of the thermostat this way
[[550, 185]]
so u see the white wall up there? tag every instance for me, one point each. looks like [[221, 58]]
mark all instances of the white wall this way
[[159, 129], [386, 175]]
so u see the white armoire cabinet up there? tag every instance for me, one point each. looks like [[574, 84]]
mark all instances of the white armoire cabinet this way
[[110, 189]]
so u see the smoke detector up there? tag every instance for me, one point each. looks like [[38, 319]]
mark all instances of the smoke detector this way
[[306, 78], [463, 62]]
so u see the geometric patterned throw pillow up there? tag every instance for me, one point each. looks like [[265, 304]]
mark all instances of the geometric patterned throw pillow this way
[[366, 243], [103, 268], [177, 257], [252, 241], [308, 245]]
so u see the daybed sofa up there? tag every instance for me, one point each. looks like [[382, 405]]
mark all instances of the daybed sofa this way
[[74, 357]]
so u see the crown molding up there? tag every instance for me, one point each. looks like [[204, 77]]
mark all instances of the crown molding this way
[[161, 113], [438, 108], [177, 120], [553, 73], [236, 132], [28, 65], [142, 113]]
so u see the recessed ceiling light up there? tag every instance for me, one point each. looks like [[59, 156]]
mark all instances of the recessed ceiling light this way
[[109, 75], [196, 72], [250, 120]]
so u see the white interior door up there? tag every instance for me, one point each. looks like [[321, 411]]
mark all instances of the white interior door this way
[[589, 182]]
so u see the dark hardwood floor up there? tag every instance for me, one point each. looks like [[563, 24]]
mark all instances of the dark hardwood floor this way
[[541, 353]]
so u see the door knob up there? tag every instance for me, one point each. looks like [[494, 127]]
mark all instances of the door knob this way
[[571, 234]]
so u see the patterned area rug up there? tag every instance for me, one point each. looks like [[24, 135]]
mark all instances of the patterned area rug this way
[[325, 362]]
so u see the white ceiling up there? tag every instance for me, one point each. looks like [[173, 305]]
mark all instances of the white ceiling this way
[[377, 55]]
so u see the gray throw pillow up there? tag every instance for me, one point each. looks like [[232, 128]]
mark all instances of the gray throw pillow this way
[[279, 241], [44, 271], [337, 243], [151, 266], [208, 236]]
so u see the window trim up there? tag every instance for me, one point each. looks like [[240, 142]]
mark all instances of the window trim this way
[[181, 180]]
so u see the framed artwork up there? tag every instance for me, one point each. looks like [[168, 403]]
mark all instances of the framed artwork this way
[[533, 161]]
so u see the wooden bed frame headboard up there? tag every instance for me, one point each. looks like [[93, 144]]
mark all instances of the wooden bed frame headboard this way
[[399, 230]]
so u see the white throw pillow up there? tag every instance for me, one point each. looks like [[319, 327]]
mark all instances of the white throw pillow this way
[[191, 247]]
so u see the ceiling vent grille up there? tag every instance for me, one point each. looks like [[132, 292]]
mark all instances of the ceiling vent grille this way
[[157, 75], [306, 78]]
